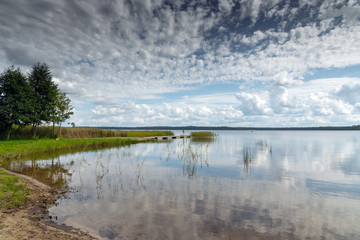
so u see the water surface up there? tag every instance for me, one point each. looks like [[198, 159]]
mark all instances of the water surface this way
[[261, 184]]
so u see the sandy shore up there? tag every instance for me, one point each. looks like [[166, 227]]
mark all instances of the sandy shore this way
[[32, 220]]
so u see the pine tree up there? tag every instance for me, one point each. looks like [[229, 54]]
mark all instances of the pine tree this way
[[44, 94], [15, 105]]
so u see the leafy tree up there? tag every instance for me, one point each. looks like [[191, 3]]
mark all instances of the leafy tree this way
[[31, 100], [15, 105], [44, 94], [62, 111]]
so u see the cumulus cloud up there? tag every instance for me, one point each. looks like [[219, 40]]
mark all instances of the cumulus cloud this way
[[350, 93], [284, 78], [252, 104], [319, 100], [115, 54], [179, 113]]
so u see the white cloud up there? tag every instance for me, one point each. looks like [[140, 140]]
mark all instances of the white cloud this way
[[318, 100], [321, 104], [226, 5], [333, 8], [114, 54], [282, 102], [252, 104], [350, 93], [284, 78]]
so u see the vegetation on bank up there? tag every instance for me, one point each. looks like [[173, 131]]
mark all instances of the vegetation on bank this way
[[72, 132], [12, 193], [214, 128], [202, 135], [31, 100], [15, 149], [73, 139]]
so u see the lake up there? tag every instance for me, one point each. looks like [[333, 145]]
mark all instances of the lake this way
[[249, 185]]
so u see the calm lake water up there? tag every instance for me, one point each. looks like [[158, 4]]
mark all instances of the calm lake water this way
[[259, 185]]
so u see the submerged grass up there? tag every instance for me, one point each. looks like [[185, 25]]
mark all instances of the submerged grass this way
[[12, 193]]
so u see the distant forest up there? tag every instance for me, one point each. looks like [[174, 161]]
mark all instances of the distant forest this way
[[199, 128]]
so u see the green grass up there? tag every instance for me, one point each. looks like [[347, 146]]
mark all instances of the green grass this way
[[12, 194], [19, 133], [202, 135], [16, 149], [79, 139], [148, 133]]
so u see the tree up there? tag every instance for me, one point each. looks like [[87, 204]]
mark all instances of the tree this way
[[62, 111], [15, 105], [44, 94]]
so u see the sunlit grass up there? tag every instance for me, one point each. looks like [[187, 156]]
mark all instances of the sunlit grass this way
[[148, 133], [12, 193], [22, 148], [70, 132]]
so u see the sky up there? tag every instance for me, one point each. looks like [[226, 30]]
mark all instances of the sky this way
[[274, 63]]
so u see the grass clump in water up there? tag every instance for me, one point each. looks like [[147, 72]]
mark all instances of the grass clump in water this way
[[12, 193], [202, 135]]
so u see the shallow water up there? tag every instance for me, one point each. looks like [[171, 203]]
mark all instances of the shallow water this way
[[265, 184]]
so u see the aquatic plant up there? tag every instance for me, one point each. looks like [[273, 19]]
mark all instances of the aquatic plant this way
[[202, 135], [247, 158], [192, 158], [264, 145]]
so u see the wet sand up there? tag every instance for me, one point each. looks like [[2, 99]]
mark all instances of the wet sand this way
[[32, 221]]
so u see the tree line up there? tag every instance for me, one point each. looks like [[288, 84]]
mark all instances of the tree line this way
[[31, 100]]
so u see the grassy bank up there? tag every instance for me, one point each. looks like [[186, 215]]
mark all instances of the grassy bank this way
[[16, 149], [12, 193], [70, 132], [78, 139]]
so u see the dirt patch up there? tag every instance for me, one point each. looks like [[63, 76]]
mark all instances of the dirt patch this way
[[32, 220]]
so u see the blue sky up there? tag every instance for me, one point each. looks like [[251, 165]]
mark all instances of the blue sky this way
[[178, 63]]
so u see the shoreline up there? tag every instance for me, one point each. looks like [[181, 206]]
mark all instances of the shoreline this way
[[31, 220]]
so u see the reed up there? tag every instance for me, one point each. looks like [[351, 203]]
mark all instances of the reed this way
[[71, 132], [202, 135], [18, 149], [148, 133]]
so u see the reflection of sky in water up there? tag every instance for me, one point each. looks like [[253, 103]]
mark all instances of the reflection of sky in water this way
[[289, 184]]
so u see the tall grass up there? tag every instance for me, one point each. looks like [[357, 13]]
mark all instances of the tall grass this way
[[16, 149], [69, 132], [202, 135], [148, 133]]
